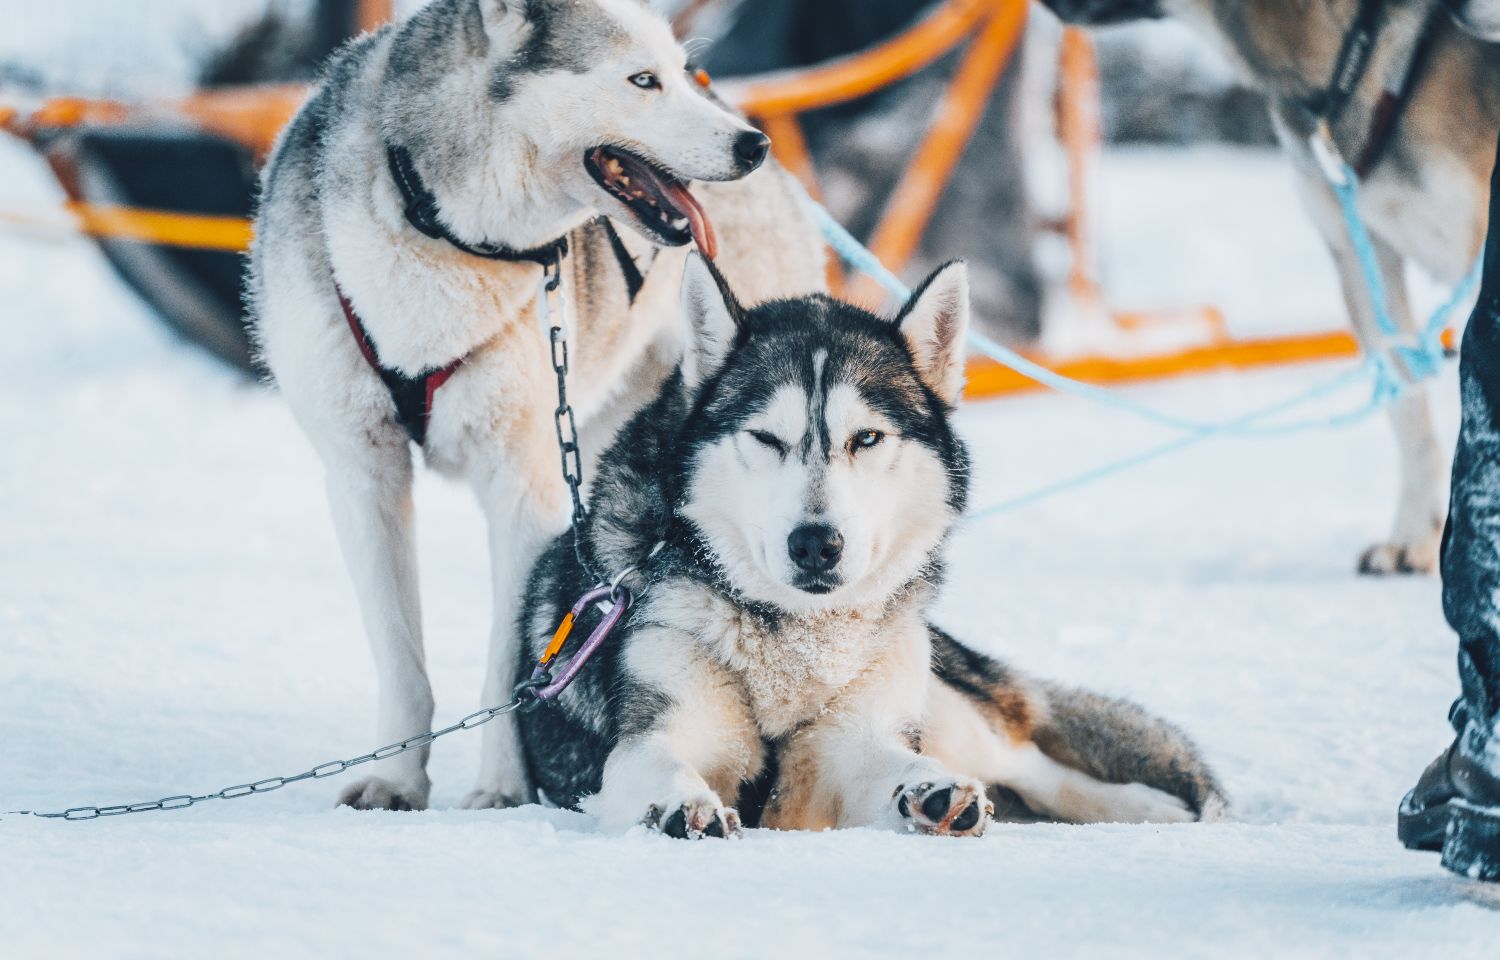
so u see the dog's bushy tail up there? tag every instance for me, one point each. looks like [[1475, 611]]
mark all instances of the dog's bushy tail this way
[[1119, 742], [1109, 739]]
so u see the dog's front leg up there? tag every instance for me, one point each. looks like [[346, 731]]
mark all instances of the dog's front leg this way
[[857, 764], [1413, 544], [372, 514], [847, 771], [687, 741]]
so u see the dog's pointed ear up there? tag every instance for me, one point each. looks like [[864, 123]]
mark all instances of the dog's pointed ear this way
[[507, 23], [712, 316], [935, 322]]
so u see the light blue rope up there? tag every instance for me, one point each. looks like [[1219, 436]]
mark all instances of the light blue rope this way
[[1191, 439], [1425, 359], [1422, 361], [855, 255]]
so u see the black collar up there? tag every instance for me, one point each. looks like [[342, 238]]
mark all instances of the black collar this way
[[422, 213]]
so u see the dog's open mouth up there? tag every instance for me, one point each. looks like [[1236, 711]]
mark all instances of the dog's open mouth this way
[[658, 199]]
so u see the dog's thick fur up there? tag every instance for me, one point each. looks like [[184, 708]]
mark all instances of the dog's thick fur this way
[[1424, 201], [497, 102], [803, 473]]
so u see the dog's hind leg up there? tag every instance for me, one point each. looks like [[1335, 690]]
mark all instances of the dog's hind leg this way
[[1067, 753], [370, 496], [1415, 534], [960, 734]]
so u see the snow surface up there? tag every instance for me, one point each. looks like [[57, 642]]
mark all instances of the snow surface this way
[[174, 617]]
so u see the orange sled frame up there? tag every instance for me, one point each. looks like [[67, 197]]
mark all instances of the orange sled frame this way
[[988, 30]]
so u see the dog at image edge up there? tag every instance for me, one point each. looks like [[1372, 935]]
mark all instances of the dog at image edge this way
[[1418, 126]]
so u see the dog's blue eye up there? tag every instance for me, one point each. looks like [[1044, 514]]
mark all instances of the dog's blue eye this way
[[866, 439], [646, 80], [768, 440]]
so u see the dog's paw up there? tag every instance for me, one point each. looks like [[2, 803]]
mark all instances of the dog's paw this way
[[486, 799], [693, 819], [373, 793], [955, 807], [1387, 559]]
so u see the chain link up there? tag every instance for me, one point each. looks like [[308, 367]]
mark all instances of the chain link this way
[[525, 697]]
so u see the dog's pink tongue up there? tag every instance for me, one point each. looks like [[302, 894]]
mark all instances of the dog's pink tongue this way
[[698, 222]]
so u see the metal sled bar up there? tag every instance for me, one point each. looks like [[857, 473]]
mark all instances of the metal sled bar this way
[[988, 379], [1081, 133], [251, 116], [193, 230], [373, 14], [853, 76], [910, 206]]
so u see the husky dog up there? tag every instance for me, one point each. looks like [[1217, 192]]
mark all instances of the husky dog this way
[[407, 217], [801, 471], [1415, 108]]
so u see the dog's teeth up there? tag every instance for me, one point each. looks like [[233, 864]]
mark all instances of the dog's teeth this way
[[624, 181], [663, 215]]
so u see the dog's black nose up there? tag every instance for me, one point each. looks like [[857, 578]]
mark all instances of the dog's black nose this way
[[815, 547], [750, 149]]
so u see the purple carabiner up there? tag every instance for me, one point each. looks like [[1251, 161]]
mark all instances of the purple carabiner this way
[[620, 599]]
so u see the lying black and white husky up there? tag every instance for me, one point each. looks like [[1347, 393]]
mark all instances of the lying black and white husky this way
[[778, 667]]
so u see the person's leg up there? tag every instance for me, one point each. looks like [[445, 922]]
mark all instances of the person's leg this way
[[1471, 544], [1455, 806]]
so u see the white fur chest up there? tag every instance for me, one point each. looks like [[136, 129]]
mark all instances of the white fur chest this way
[[792, 671]]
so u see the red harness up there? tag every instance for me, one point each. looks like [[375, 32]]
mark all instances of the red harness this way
[[412, 395]]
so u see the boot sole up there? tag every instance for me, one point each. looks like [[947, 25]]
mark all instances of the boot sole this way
[[1471, 846], [1423, 830]]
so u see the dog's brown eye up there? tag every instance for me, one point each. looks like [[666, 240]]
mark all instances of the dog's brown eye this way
[[768, 440], [646, 80], [866, 439]]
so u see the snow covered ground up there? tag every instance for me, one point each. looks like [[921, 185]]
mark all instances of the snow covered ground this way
[[174, 617]]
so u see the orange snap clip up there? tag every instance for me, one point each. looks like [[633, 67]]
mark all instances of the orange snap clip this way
[[559, 638], [701, 76]]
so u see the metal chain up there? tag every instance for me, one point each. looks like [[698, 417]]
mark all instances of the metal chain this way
[[524, 697], [526, 692], [563, 419]]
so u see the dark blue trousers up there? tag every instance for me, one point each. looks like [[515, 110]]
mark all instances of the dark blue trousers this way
[[1471, 541]]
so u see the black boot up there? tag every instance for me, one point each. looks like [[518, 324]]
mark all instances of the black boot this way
[[1455, 808]]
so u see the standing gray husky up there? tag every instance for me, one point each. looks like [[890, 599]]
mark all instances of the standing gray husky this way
[[407, 217], [801, 474]]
